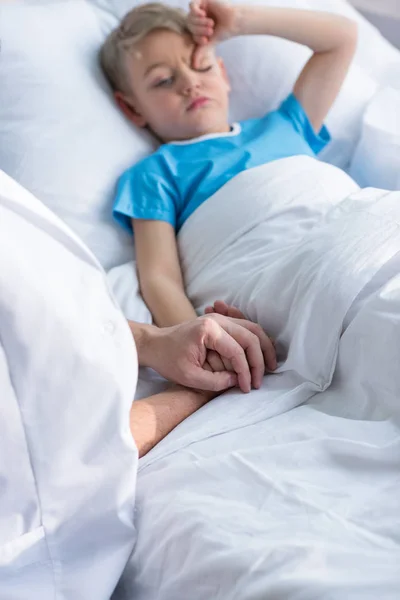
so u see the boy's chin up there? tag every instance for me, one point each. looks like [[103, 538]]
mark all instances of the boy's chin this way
[[203, 127], [208, 127]]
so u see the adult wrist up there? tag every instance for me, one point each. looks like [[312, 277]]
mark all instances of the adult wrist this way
[[144, 336]]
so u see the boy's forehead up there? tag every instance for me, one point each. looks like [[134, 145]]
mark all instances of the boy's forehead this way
[[162, 44]]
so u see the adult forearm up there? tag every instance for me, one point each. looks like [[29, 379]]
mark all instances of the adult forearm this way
[[320, 31], [151, 419], [167, 301]]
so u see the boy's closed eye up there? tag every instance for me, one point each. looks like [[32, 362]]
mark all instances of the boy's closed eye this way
[[202, 69], [164, 82], [167, 81]]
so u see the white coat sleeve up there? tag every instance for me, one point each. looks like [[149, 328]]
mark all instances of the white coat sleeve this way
[[68, 372]]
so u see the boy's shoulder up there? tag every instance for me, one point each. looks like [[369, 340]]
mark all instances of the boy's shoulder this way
[[150, 163]]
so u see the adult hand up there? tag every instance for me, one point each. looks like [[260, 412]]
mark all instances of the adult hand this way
[[179, 353], [222, 308]]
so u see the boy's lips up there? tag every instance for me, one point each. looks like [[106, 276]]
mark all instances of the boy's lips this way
[[197, 102]]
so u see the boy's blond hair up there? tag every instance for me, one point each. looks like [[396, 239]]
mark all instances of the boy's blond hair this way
[[138, 23]]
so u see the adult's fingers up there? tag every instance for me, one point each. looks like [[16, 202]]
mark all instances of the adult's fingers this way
[[254, 342], [230, 344], [269, 351], [267, 345], [254, 354]]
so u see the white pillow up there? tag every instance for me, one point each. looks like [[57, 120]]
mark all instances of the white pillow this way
[[68, 371], [60, 134], [125, 286], [376, 162]]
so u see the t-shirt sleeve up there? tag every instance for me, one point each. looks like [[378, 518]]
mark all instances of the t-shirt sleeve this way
[[144, 193], [293, 110]]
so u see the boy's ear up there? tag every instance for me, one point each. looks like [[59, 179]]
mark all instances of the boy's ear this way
[[129, 110], [224, 73]]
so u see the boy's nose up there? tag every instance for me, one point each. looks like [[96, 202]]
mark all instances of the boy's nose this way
[[190, 82]]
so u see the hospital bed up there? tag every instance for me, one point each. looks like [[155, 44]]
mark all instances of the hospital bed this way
[[282, 493]]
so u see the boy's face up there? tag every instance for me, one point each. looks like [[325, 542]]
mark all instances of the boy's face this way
[[168, 95]]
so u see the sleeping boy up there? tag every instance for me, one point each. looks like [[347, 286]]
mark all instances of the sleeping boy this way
[[162, 66]]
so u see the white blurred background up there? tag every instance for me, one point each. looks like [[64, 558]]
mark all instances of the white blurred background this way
[[385, 14]]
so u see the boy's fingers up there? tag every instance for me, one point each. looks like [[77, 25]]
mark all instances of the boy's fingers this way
[[226, 309], [196, 9], [215, 362], [201, 40], [196, 52], [202, 31], [218, 307], [200, 21], [207, 366], [217, 382]]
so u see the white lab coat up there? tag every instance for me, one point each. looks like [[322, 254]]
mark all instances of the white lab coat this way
[[68, 372]]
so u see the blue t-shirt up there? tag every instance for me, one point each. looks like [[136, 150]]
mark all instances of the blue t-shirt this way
[[171, 183]]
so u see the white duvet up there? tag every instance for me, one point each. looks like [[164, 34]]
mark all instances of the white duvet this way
[[291, 492]]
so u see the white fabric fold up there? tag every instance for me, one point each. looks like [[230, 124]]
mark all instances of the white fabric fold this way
[[291, 243]]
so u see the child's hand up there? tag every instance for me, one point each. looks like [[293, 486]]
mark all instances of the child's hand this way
[[222, 308], [211, 21]]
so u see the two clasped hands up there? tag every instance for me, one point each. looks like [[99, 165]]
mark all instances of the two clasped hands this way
[[204, 357]]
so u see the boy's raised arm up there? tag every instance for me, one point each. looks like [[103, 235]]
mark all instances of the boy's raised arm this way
[[333, 39]]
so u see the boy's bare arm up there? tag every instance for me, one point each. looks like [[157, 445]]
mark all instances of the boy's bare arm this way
[[333, 39], [160, 275]]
